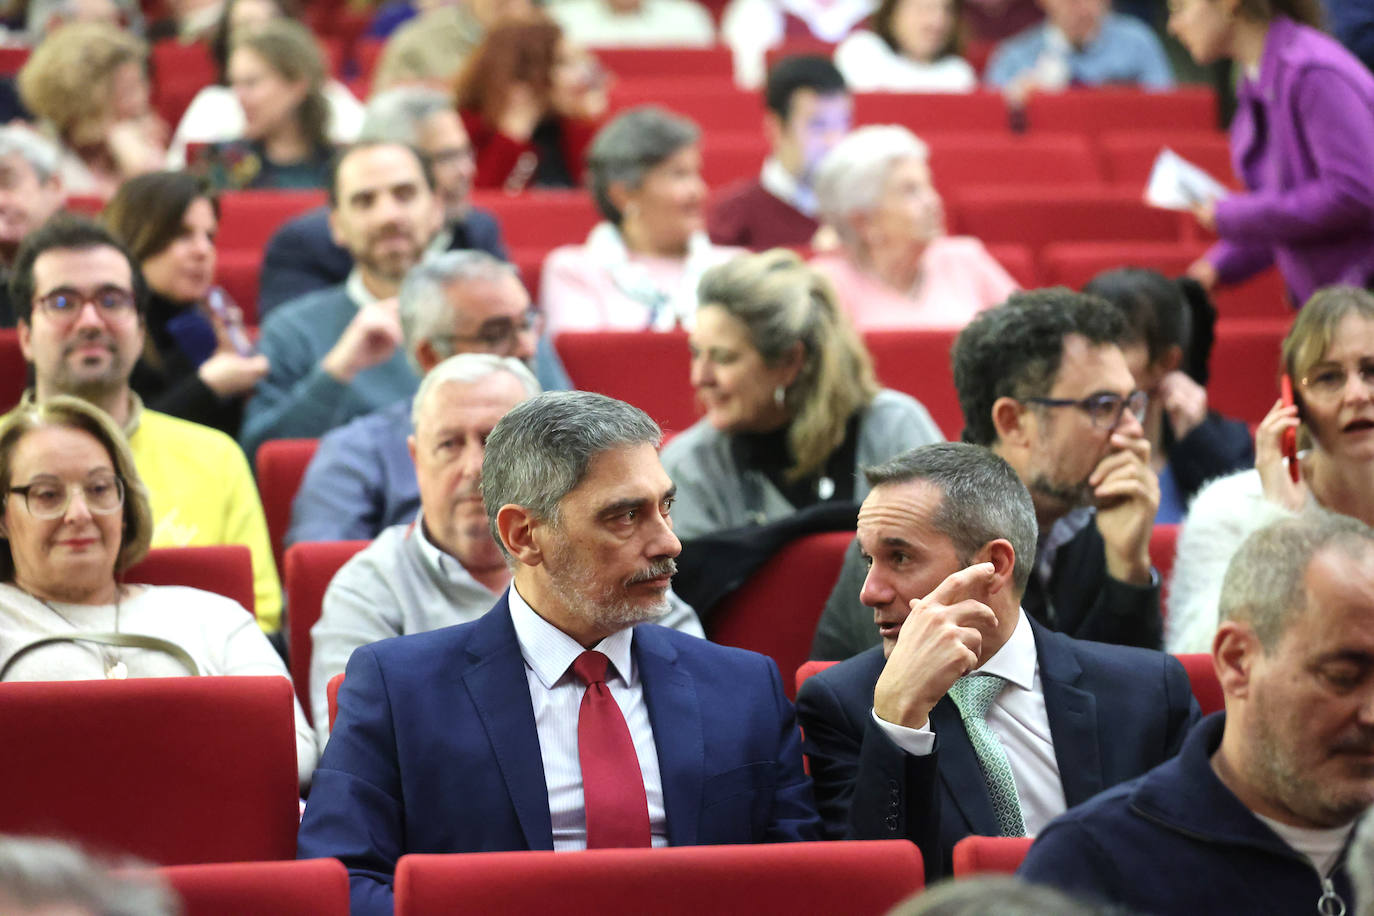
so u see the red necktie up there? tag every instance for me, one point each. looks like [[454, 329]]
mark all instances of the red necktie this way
[[612, 784]]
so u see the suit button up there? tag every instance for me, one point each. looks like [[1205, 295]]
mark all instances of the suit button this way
[[891, 822]]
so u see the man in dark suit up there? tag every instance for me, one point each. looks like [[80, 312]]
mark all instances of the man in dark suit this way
[[971, 718], [303, 256], [557, 720]]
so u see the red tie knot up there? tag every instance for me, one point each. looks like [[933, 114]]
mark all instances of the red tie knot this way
[[591, 667]]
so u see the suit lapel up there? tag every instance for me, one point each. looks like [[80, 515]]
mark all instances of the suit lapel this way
[[1072, 712], [497, 684], [675, 714], [960, 771]]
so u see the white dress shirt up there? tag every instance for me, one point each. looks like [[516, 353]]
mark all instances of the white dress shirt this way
[[783, 185], [556, 694], [1019, 719]]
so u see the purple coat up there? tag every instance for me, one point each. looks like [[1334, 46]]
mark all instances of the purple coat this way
[[1302, 140]]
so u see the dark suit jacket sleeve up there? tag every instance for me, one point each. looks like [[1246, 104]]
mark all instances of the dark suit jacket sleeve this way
[[846, 626], [1184, 712], [1068, 856], [1092, 605], [1215, 447], [483, 233], [355, 812], [300, 258]]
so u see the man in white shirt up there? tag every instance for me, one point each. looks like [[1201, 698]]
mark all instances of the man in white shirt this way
[[559, 719], [1256, 812], [635, 23], [896, 745]]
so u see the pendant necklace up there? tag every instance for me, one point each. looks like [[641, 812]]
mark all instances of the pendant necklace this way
[[115, 669]]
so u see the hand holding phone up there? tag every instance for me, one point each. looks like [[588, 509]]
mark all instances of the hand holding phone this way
[[1288, 440]]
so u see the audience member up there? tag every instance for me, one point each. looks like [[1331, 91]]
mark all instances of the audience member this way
[[1042, 382], [1303, 125], [914, 47], [896, 268], [30, 192], [87, 84], [440, 566], [191, 366], [431, 48], [1329, 355], [302, 257], [575, 494], [1080, 43], [43, 16], [793, 412], [42, 877], [640, 267], [752, 27], [1255, 813], [81, 303], [531, 101], [1169, 326], [186, 21], [215, 115], [972, 718], [335, 353], [996, 895], [809, 110], [64, 614], [362, 478], [635, 23], [277, 73]]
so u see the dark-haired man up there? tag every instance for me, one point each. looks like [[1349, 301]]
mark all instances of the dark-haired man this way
[[809, 110]]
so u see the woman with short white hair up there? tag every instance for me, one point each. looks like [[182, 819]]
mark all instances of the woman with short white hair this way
[[896, 268]]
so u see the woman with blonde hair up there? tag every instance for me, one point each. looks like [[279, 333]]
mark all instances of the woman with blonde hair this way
[[793, 411]]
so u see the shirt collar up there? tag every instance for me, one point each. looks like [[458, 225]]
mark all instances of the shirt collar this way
[[443, 564], [550, 652], [1065, 529], [783, 185], [357, 290], [1015, 661]]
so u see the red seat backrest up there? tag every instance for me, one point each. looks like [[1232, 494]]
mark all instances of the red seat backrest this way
[[776, 610], [958, 161], [173, 770], [1202, 677], [633, 64], [917, 362], [226, 569], [1163, 547], [649, 369], [14, 371], [281, 466], [714, 105], [809, 668], [1039, 216], [975, 855], [541, 219], [923, 113], [306, 575], [304, 888], [238, 270], [1101, 109], [771, 879], [331, 691], [247, 219], [1245, 367], [1129, 155]]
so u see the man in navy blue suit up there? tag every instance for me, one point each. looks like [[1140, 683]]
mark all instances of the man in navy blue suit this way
[[971, 718], [479, 737]]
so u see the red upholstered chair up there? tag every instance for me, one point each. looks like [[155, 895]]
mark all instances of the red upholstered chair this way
[[14, 372], [1163, 547], [226, 569], [237, 270], [1039, 216], [922, 113], [963, 160], [976, 855], [917, 362], [778, 879], [541, 218], [305, 576], [1092, 111], [632, 64], [715, 105], [172, 770], [331, 691], [1245, 366], [310, 887], [1202, 677], [649, 369], [1128, 155], [809, 668], [775, 612], [281, 466], [247, 219], [1019, 261], [178, 72]]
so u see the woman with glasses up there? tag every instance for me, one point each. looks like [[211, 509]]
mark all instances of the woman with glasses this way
[[1329, 356], [75, 519]]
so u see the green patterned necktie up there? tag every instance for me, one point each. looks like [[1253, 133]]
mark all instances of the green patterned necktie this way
[[973, 694]]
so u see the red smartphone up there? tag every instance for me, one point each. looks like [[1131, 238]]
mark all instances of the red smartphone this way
[[1288, 444]]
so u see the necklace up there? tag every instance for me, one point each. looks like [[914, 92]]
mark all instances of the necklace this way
[[115, 669]]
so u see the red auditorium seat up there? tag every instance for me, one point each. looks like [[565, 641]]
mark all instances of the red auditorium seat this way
[[809, 668], [247, 219], [917, 362], [304, 888], [730, 157], [771, 879], [925, 113], [713, 107], [14, 371], [695, 64], [1163, 547], [331, 691], [1095, 110], [649, 369], [226, 569], [85, 204], [1039, 216], [238, 271], [775, 612], [281, 465], [1202, 677], [175, 770], [178, 71], [966, 160], [541, 219], [1019, 261], [1245, 367], [305, 576], [1128, 155], [979, 855], [12, 59]]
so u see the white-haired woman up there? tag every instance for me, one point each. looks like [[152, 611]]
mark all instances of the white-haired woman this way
[[896, 268]]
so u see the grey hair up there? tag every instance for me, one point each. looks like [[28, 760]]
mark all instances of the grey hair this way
[[37, 872], [395, 116], [998, 895], [632, 144], [540, 451], [425, 309], [467, 368], [39, 152], [1265, 582], [851, 177], [982, 499]]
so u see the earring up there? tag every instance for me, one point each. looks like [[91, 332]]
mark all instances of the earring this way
[[780, 396]]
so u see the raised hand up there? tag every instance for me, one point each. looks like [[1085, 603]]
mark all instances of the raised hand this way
[[1127, 495]]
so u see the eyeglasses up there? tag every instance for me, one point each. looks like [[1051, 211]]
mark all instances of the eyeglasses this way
[[499, 335], [48, 499], [1104, 410], [1327, 381], [66, 303]]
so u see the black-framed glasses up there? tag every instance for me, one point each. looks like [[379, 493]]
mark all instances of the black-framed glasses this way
[[498, 335], [48, 499], [66, 303], [1104, 410]]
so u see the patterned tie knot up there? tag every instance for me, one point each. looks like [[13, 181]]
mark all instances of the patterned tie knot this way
[[591, 667], [974, 693]]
